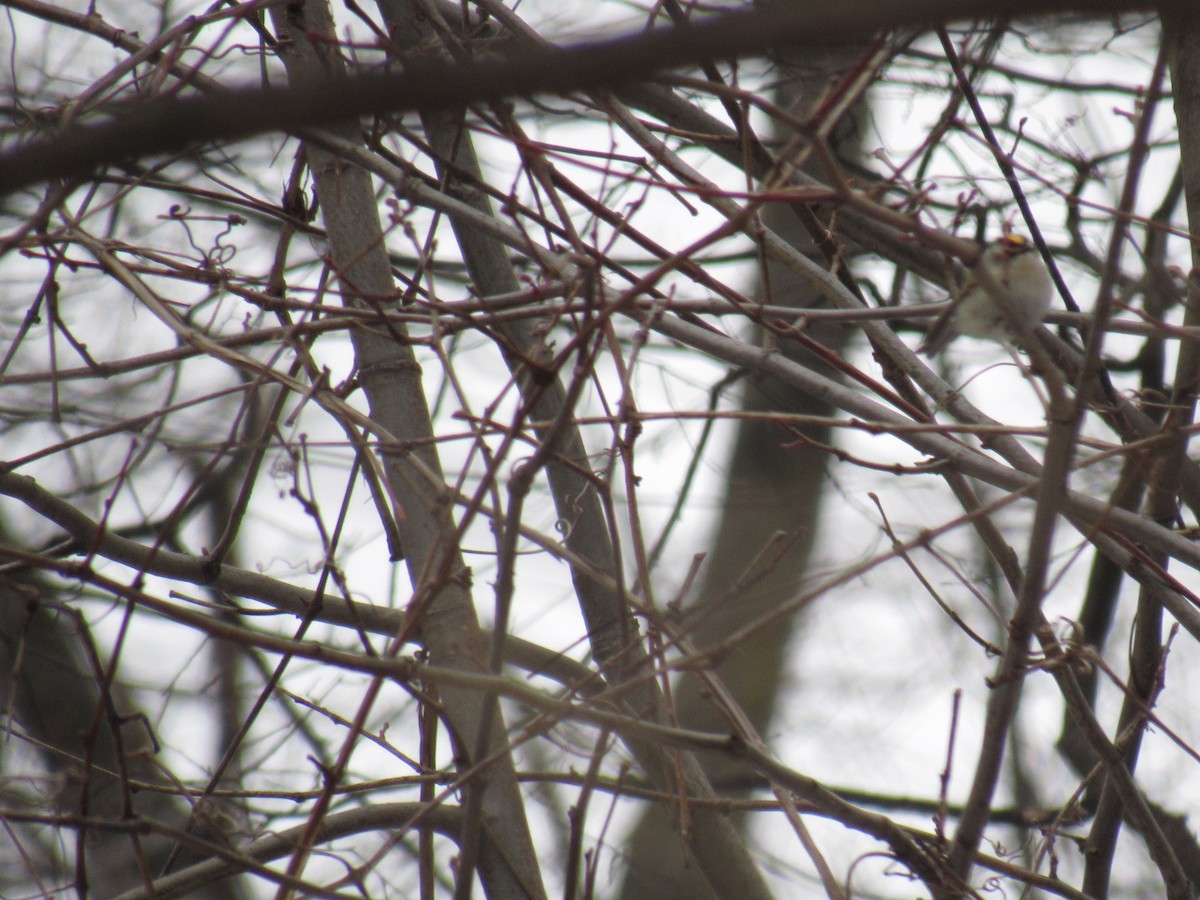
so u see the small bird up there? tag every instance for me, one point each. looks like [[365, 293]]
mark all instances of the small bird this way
[[1018, 268]]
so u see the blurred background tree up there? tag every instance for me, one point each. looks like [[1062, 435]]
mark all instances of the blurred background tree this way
[[465, 459]]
